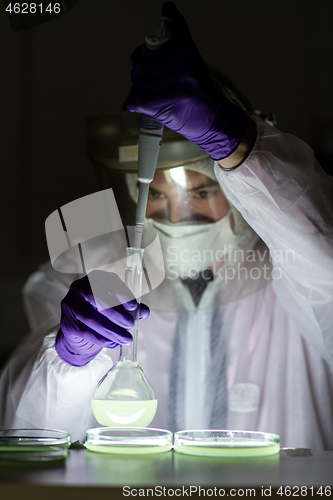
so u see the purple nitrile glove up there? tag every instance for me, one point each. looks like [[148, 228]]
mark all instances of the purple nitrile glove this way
[[173, 85], [86, 328]]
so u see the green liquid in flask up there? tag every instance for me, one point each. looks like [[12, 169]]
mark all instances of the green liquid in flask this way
[[124, 413]]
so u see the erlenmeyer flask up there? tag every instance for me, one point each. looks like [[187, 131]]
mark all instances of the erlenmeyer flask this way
[[124, 397]]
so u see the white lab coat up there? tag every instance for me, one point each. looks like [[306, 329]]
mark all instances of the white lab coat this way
[[269, 364]]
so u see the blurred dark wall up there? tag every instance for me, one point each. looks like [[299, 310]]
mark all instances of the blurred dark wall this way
[[56, 74]]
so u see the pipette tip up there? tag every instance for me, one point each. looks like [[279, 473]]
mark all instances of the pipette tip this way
[[138, 235]]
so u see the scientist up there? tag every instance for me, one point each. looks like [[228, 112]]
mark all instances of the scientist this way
[[240, 332]]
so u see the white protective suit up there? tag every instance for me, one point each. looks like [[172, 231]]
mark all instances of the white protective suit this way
[[267, 366]]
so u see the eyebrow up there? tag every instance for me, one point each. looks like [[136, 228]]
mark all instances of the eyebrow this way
[[209, 183]]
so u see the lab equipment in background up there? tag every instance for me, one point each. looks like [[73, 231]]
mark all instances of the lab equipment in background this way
[[124, 397], [151, 131]]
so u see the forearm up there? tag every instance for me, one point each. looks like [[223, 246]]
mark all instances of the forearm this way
[[244, 149], [281, 182], [286, 197]]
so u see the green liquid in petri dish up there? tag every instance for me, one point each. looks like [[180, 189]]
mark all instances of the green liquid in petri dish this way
[[128, 449], [231, 449]]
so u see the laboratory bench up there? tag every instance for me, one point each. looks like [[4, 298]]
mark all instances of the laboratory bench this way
[[85, 474]]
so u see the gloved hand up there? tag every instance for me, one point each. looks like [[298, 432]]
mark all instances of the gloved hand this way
[[86, 328], [173, 85]]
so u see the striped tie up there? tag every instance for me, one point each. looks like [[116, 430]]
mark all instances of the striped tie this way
[[219, 414]]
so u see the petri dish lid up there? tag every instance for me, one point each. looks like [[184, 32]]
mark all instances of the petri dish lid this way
[[226, 443], [128, 440], [33, 445]]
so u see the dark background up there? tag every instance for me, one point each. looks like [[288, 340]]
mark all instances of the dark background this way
[[55, 75]]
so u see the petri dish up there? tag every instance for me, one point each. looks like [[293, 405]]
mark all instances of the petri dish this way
[[128, 440], [226, 443], [33, 445]]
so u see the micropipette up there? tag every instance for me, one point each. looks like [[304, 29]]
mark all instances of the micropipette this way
[[124, 396], [151, 131]]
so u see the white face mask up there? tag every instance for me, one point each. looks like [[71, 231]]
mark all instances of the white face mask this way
[[188, 249]]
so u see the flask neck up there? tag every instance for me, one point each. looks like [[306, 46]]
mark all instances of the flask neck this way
[[129, 352], [133, 279]]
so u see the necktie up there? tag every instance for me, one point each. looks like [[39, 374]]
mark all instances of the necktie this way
[[197, 285]]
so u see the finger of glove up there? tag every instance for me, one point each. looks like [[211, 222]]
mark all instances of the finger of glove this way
[[165, 91], [129, 304], [171, 108], [80, 336], [104, 290], [141, 312], [179, 41], [78, 300], [171, 55], [172, 62], [120, 315], [107, 285], [144, 312], [142, 52], [80, 297], [179, 27], [112, 328]]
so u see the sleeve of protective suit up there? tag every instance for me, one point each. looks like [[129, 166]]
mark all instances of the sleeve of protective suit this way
[[287, 198], [37, 388]]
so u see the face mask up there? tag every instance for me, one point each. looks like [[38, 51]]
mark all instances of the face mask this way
[[188, 249]]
